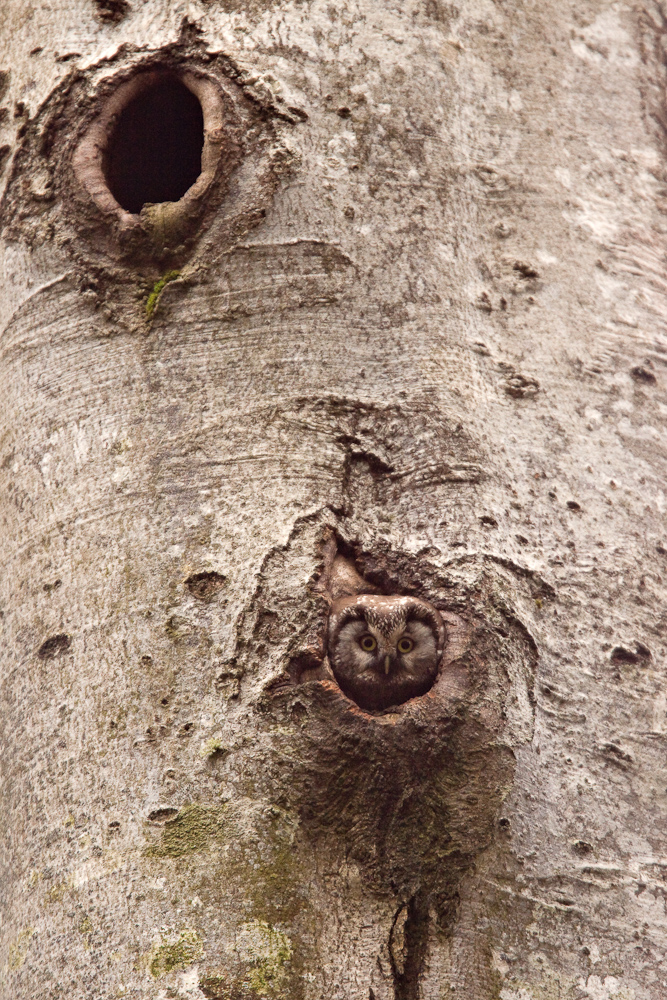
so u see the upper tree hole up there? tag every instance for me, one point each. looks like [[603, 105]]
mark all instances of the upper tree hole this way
[[154, 152]]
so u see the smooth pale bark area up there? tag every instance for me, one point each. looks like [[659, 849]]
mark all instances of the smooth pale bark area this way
[[436, 340]]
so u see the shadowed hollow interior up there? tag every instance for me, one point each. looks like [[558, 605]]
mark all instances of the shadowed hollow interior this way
[[154, 150]]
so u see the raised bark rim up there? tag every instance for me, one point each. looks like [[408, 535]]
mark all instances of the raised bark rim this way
[[88, 159]]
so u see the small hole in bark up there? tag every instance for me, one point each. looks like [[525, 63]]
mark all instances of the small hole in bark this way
[[154, 151], [621, 655], [56, 645], [204, 585], [525, 270], [640, 373], [299, 713], [573, 505], [162, 815], [112, 10]]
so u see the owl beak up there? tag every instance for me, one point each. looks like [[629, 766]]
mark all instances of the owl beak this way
[[387, 665]]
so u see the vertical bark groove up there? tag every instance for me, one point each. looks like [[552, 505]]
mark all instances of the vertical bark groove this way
[[408, 969]]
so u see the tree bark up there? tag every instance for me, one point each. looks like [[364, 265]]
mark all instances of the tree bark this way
[[410, 321]]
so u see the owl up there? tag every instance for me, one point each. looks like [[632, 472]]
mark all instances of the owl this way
[[384, 650]]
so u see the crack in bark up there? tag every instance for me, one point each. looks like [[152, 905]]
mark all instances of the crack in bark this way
[[408, 942]]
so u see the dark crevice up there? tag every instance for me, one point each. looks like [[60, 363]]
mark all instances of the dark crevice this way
[[154, 152], [162, 815], [205, 585], [55, 646], [408, 943], [112, 10]]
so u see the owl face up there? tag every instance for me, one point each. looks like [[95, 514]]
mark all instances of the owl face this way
[[384, 650]]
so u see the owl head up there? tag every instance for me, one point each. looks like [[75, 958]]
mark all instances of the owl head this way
[[384, 650]]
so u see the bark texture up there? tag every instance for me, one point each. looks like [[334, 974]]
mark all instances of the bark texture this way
[[414, 319]]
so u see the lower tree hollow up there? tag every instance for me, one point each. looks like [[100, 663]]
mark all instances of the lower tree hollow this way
[[154, 151]]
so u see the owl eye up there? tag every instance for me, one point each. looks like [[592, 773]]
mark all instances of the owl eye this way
[[405, 645], [367, 643]]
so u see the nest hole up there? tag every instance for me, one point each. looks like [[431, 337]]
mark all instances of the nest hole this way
[[154, 152]]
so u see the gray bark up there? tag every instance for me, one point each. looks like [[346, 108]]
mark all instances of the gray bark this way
[[419, 322]]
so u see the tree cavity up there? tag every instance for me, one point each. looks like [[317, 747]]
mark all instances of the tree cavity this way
[[154, 153]]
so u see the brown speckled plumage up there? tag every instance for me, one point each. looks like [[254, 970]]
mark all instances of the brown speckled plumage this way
[[388, 672]]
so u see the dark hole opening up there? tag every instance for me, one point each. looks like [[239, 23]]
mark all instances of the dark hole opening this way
[[154, 151]]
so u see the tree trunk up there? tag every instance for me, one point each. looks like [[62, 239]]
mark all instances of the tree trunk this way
[[302, 303]]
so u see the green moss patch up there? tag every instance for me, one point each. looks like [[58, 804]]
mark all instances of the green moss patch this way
[[192, 829], [177, 955], [267, 953], [213, 748], [18, 950], [263, 861], [152, 299]]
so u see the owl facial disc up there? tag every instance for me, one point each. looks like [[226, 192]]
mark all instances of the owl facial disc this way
[[384, 650]]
